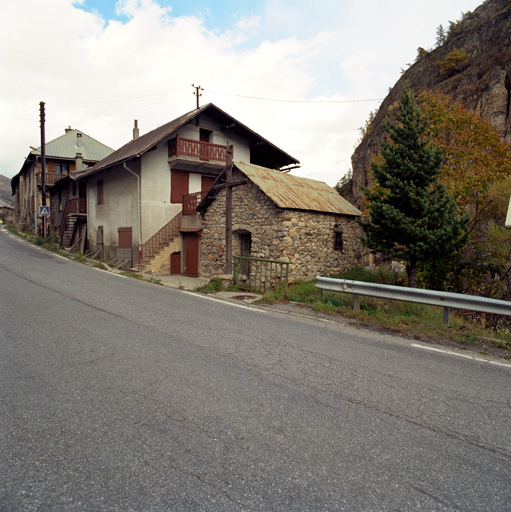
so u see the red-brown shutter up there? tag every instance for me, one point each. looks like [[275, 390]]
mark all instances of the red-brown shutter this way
[[178, 185]]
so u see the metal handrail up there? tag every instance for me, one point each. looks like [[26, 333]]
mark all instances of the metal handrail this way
[[260, 273], [447, 300]]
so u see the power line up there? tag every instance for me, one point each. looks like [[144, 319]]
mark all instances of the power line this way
[[319, 170], [290, 101]]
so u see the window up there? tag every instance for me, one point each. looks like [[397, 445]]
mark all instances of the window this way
[[178, 185], [99, 192], [337, 240], [204, 134], [62, 168]]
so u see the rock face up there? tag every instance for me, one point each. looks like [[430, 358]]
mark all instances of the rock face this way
[[482, 82]]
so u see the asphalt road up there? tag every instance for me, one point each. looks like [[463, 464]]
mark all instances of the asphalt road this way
[[117, 394]]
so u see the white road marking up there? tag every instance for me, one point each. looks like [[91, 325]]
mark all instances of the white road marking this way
[[467, 356]]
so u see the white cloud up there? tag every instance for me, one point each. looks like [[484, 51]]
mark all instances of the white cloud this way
[[98, 75]]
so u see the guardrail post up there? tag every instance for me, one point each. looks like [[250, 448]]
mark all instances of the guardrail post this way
[[356, 302], [446, 315]]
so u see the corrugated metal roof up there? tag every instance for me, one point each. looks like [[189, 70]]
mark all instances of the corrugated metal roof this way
[[66, 147], [288, 191]]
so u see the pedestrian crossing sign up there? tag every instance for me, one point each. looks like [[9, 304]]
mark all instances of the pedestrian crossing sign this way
[[44, 210]]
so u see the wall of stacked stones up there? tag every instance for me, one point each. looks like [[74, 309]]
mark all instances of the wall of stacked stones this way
[[304, 238]]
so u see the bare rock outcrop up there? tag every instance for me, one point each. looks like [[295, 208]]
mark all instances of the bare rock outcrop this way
[[481, 82]]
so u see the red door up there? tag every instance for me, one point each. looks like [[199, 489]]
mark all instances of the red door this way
[[192, 254], [206, 184], [175, 263]]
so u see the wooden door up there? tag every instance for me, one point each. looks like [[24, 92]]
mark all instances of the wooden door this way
[[125, 244], [206, 184], [175, 263], [192, 254]]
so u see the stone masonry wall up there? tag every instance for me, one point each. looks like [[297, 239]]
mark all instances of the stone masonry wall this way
[[304, 238]]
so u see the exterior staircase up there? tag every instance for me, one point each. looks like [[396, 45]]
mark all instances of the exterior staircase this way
[[153, 251], [69, 231]]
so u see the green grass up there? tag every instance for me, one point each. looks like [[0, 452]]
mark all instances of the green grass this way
[[417, 320], [78, 256]]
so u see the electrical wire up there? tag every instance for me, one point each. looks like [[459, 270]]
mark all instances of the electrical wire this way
[[290, 101]]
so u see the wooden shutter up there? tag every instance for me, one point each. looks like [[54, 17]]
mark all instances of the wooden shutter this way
[[178, 185]]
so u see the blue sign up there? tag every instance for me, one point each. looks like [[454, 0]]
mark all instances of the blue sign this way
[[44, 210]]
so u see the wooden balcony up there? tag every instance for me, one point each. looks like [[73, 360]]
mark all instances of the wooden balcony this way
[[194, 149], [191, 201], [51, 178]]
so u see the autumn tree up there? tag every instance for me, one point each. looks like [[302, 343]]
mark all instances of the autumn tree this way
[[411, 216], [475, 170]]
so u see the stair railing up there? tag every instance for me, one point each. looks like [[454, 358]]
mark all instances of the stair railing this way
[[160, 239], [76, 205]]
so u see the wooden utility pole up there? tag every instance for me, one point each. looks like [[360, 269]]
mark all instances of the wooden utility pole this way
[[43, 168], [228, 211], [197, 93]]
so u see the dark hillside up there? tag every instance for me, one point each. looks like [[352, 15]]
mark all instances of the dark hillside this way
[[5, 191]]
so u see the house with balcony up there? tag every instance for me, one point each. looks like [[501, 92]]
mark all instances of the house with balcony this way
[[142, 198], [61, 161]]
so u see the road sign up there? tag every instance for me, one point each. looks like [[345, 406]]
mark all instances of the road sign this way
[[44, 210]]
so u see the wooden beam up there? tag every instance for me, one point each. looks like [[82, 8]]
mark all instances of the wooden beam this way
[[228, 212], [230, 185]]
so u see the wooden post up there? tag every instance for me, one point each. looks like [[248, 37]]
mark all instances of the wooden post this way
[[228, 212]]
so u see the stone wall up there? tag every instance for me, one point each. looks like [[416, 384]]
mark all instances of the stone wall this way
[[304, 238]]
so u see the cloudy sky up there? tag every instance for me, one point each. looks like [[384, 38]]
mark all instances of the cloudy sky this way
[[303, 74]]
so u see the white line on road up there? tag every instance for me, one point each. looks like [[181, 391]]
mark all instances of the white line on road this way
[[467, 356]]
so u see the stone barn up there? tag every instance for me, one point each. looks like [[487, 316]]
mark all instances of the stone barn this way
[[283, 217]]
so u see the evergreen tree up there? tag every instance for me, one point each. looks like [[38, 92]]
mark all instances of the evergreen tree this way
[[411, 216]]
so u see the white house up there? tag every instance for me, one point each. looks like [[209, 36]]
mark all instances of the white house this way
[[142, 197]]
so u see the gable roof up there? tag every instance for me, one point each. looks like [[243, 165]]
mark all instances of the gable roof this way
[[137, 147], [65, 147], [288, 191]]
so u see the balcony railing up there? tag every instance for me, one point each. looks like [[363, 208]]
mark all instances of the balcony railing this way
[[51, 178], [203, 151], [190, 203]]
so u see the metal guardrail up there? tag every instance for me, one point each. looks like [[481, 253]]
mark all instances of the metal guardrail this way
[[446, 300], [259, 273]]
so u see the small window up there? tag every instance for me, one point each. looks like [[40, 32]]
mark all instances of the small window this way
[[337, 240], [99, 190], [204, 135], [61, 168]]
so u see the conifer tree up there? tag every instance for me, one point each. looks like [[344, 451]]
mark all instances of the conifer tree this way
[[411, 216]]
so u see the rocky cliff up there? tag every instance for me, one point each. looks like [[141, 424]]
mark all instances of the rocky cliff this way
[[473, 66], [6, 197]]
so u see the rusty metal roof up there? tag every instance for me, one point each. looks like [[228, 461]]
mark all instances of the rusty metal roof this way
[[262, 149], [292, 192]]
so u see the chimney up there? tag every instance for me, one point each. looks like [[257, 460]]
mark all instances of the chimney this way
[[136, 133], [79, 163], [68, 129], [79, 140]]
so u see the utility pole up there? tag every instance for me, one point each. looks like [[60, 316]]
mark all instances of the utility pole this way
[[43, 167], [197, 93], [228, 211]]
